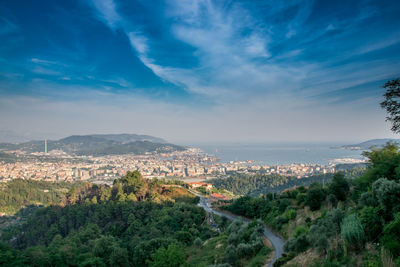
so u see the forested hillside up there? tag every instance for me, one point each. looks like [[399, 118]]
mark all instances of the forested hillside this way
[[135, 222], [98, 145], [255, 184], [347, 222], [18, 193]]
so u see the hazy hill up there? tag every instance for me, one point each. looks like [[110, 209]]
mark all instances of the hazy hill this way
[[98, 144], [126, 138], [370, 143]]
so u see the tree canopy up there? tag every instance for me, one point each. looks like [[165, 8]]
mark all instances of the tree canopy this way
[[392, 103]]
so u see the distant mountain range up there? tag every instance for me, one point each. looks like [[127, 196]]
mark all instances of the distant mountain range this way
[[370, 143], [98, 145]]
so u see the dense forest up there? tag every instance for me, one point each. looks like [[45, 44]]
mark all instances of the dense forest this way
[[134, 222], [17, 194], [256, 184], [347, 222]]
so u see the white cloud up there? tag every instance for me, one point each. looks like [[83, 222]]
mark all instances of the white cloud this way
[[251, 88], [139, 42], [107, 12], [45, 71]]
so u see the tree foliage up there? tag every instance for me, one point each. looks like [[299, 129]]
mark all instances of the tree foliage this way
[[339, 186], [391, 103]]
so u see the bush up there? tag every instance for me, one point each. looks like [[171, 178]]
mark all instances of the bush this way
[[198, 243], [332, 200], [335, 217], [339, 186], [298, 244], [283, 204], [301, 198], [371, 219], [230, 254], [352, 231], [315, 196], [173, 256], [367, 199], [284, 259], [300, 230], [290, 214], [244, 250], [391, 236], [388, 195]]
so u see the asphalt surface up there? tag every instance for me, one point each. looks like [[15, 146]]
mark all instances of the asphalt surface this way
[[277, 242]]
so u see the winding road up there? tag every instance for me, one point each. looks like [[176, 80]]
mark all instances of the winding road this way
[[277, 242]]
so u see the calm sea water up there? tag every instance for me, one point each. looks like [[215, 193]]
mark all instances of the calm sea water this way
[[279, 154]]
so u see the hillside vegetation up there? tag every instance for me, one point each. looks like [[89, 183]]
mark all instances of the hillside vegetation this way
[[255, 184], [347, 222], [134, 222], [99, 145], [17, 194]]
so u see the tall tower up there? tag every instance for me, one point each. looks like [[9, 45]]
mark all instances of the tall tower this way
[[45, 146]]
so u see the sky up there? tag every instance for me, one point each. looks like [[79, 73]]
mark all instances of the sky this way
[[198, 70]]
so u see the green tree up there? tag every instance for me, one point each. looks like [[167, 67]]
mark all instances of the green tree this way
[[391, 236], [388, 195], [315, 196], [173, 256], [392, 103], [119, 257], [371, 219], [231, 255], [7, 255], [339, 186]]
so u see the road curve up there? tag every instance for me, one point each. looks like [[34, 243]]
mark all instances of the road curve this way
[[276, 241]]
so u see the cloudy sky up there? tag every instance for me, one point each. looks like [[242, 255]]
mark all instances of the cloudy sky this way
[[198, 71]]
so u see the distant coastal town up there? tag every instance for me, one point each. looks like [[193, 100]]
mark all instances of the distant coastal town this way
[[192, 163]]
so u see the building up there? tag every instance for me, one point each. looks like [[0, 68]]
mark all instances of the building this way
[[200, 184]]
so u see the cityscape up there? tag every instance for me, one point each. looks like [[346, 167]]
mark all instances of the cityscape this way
[[200, 133], [57, 165]]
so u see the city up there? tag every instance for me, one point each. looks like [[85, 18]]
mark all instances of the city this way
[[200, 133], [191, 163]]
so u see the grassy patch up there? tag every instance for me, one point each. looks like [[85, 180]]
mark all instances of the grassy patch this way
[[211, 252], [260, 258]]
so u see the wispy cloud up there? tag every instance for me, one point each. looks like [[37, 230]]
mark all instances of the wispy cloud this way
[[254, 63], [44, 62], [45, 71], [107, 12]]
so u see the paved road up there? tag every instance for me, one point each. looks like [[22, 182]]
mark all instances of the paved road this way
[[276, 241]]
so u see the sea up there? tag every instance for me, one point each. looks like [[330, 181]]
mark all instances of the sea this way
[[283, 153]]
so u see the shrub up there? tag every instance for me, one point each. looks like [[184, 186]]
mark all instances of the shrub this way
[[371, 219], [335, 217], [290, 214], [391, 236], [352, 231], [367, 199], [173, 256], [388, 195], [315, 196], [283, 204], [300, 230], [332, 200], [197, 242], [244, 250], [230, 254], [298, 244], [301, 198], [339, 186]]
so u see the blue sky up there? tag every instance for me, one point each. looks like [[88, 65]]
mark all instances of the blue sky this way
[[198, 70]]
